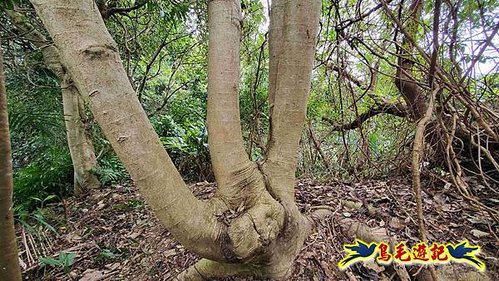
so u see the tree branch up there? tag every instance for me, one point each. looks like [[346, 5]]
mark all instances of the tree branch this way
[[397, 109], [346, 74], [293, 33], [107, 11], [90, 54], [231, 165], [151, 62]]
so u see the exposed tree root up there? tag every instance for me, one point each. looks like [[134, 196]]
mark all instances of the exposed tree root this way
[[417, 155], [206, 269]]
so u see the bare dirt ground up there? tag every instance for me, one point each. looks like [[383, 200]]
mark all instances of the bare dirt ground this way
[[113, 235]]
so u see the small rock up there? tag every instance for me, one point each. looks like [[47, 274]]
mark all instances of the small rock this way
[[479, 234]]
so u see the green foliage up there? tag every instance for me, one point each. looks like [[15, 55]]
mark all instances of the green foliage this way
[[42, 163], [36, 220], [7, 4], [36, 119], [186, 141], [49, 174], [65, 260], [127, 206], [110, 170], [163, 45], [106, 255]]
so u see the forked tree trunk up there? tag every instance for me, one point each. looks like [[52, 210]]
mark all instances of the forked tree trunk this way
[[9, 261], [252, 225], [79, 142]]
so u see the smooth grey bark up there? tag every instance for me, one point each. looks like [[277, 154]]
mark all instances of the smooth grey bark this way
[[252, 226]]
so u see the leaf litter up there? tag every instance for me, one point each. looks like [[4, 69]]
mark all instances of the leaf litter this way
[[115, 236]]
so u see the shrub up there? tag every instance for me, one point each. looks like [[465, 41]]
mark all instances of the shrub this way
[[49, 174]]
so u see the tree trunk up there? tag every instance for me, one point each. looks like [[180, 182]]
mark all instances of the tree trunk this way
[[79, 141], [9, 261], [252, 225], [404, 78]]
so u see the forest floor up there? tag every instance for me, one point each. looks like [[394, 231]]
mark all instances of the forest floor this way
[[113, 235]]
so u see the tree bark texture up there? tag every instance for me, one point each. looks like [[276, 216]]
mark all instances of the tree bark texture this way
[[404, 78], [9, 261], [252, 225]]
